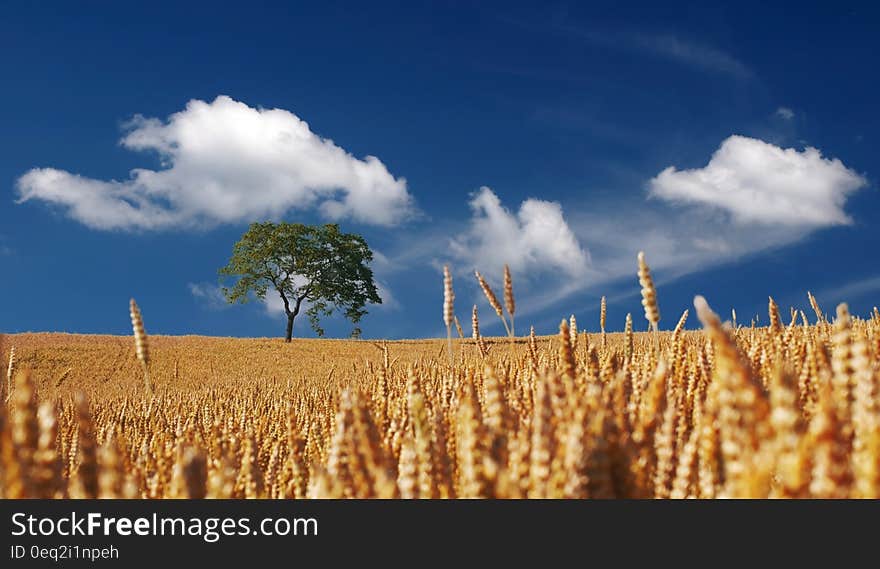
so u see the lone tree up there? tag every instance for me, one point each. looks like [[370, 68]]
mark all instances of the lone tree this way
[[317, 265]]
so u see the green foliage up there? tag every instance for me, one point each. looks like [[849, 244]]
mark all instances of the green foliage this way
[[319, 265]]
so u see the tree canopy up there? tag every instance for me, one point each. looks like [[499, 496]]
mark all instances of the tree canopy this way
[[316, 266]]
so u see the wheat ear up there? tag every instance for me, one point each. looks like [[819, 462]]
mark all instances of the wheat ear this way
[[815, 306], [141, 345], [509, 301], [773, 311], [493, 300], [628, 335], [649, 293], [10, 372], [448, 308]]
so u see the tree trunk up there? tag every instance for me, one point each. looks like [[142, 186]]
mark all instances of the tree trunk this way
[[290, 316], [289, 334]]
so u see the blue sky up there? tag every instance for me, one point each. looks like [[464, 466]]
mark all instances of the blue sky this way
[[735, 145]]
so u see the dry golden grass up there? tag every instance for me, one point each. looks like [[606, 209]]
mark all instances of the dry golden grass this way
[[788, 411]]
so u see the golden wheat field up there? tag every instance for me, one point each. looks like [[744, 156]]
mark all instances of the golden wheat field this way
[[790, 410]]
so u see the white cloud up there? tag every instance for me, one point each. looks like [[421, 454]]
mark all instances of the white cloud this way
[[848, 292], [383, 267], [676, 241], [757, 182], [226, 162], [668, 46], [694, 54], [388, 300], [536, 239], [275, 306], [784, 113], [208, 295], [759, 197]]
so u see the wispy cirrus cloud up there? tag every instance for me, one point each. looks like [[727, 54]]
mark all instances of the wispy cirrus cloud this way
[[690, 53], [848, 291], [666, 45]]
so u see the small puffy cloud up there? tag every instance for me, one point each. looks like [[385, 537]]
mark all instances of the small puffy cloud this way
[[757, 182], [226, 162], [209, 295], [535, 239], [274, 305], [784, 113]]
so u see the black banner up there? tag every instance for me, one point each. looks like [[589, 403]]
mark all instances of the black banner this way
[[122, 533]]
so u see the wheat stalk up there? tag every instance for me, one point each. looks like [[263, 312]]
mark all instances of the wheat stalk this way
[[509, 301], [475, 332], [10, 372], [448, 308], [649, 293], [141, 344], [493, 300], [773, 311], [86, 473], [458, 327], [814, 304], [628, 334]]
